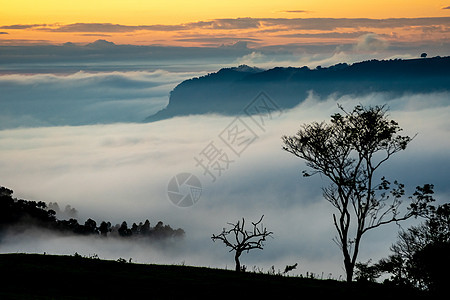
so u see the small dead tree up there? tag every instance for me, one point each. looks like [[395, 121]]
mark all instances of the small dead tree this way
[[239, 239]]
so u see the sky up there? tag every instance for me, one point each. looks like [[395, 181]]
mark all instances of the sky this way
[[200, 23], [78, 77]]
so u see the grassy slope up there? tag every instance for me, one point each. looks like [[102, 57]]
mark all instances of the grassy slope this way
[[33, 276]]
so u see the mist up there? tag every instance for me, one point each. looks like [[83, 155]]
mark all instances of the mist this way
[[82, 98], [118, 172]]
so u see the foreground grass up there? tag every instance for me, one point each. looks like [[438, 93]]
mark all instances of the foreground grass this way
[[34, 276]]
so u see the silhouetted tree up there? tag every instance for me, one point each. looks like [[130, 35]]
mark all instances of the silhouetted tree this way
[[90, 226], [165, 231], [7, 207], [104, 228], [395, 265], [4, 191], [421, 254], [135, 228], [70, 225], [55, 207], [70, 211], [239, 239], [365, 272], [123, 229], [348, 151], [145, 229], [14, 210]]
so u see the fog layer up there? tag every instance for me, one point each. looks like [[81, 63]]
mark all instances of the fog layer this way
[[120, 172]]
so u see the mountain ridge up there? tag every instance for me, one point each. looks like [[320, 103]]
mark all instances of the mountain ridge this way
[[229, 90]]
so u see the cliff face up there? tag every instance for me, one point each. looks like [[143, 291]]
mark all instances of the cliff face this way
[[229, 90]]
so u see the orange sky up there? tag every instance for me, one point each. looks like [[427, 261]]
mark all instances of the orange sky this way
[[187, 15]]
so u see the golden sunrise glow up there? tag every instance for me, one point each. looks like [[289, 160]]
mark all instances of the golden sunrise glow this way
[[180, 12]]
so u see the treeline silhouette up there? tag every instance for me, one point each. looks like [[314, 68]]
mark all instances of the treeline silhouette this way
[[22, 214]]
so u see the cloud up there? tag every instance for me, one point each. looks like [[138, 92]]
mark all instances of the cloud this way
[[447, 7], [216, 40], [244, 23], [3, 32], [327, 35], [23, 26], [84, 98], [38, 241], [121, 171], [97, 56], [278, 39], [355, 23], [96, 34], [23, 42], [295, 11], [371, 42], [94, 27], [238, 23], [218, 24], [254, 58], [296, 50]]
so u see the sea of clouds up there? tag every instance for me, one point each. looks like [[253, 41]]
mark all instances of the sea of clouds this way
[[120, 171], [81, 98]]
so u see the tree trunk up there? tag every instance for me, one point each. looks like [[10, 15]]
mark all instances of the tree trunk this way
[[238, 263], [349, 267], [343, 228], [348, 263], [355, 255]]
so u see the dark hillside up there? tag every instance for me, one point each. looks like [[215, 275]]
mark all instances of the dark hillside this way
[[33, 276]]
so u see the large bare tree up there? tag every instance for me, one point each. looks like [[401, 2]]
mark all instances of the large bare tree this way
[[348, 151], [239, 239]]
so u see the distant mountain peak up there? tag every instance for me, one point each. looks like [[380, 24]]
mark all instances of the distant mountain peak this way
[[69, 44], [244, 69], [101, 44], [247, 69], [237, 45]]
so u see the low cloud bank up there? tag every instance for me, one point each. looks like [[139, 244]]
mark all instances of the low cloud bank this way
[[121, 171], [84, 98]]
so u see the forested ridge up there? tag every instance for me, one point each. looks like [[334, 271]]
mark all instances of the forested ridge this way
[[20, 214]]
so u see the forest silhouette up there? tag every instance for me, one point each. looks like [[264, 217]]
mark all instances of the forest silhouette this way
[[19, 214]]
